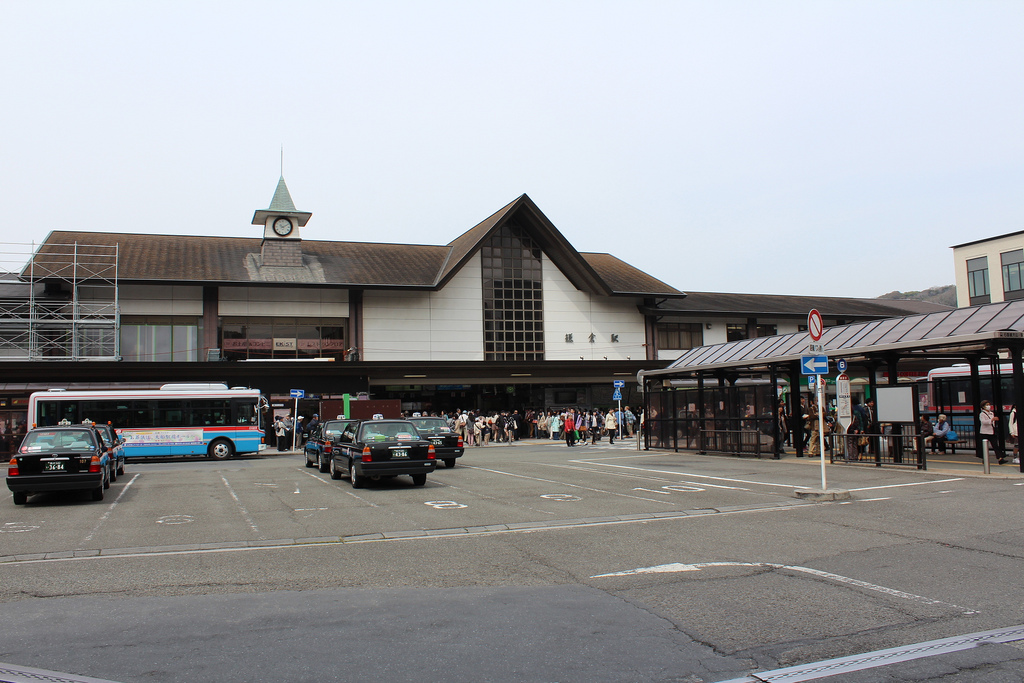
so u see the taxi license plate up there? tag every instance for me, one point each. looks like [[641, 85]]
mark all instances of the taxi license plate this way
[[437, 442], [57, 466], [400, 453]]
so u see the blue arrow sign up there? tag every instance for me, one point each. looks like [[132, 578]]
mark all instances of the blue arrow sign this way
[[618, 383], [298, 393], [814, 365]]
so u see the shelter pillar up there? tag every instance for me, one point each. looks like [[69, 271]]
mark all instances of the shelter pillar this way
[[1018, 387]]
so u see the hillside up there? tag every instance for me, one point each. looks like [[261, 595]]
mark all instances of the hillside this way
[[937, 295]]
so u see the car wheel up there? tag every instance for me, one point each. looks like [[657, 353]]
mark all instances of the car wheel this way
[[321, 465], [97, 493], [335, 474], [419, 479], [305, 456], [221, 449], [449, 462], [120, 469], [20, 497], [106, 482], [357, 481]]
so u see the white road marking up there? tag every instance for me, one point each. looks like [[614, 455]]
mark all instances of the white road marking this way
[[106, 515], [913, 483], [309, 509], [17, 528], [689, 474], [176, 519], [562, 483], [245, 513], [697, 566], [332, 485], [273, 486], [869, 660], [445, 504], [870, 500], [663, 493]]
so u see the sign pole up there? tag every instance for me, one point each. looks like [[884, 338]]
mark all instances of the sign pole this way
[[295, 423], [821, 429]]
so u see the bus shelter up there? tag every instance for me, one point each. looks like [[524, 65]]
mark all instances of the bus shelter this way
[[733, 397]]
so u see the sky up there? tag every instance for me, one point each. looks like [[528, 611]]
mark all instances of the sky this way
[[821, 148]]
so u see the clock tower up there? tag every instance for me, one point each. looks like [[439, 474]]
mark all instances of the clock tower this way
[[281, 245]]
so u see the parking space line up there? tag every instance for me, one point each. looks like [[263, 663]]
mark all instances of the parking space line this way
[[591, 461], [245, 513], [636, 476], [106, 515], [838, 578], [562, 483], [330, 483], [913, 483]]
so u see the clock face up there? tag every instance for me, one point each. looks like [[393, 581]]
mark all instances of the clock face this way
[[282, 226]]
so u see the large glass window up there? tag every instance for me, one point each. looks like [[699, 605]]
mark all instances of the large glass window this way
[[735, 332], [679, 336], [513, 299], [266, 337], [158, 339], [1013, 283], [977, 280]]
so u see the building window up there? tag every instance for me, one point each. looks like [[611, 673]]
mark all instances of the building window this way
[[679, 336], [735, 331], [767, 330], [513, 299], [249, 338], [1013, 282], [158, 339], [977, 280]]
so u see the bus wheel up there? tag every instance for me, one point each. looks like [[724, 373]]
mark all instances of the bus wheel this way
[[221, 449]]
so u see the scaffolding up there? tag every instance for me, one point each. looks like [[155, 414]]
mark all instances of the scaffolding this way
[[59, 302]]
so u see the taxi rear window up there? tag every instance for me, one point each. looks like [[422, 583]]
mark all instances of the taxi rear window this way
[[63, 440]]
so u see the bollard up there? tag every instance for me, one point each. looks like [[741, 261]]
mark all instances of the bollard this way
[[984, 456]]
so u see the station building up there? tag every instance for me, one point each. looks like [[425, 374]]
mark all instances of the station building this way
[[507, 315], [989, 270]]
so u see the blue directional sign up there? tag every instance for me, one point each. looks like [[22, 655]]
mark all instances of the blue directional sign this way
[[298, 393], [618, 383], [617, 396], [814, 365]]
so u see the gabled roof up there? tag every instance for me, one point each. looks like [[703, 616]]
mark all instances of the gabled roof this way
[[234, 260], [615, 276]]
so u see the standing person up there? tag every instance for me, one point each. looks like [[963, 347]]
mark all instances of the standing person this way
[[782, 417], [289, 431], [630, 418], [311, 426], [1012, 419], [569, 426], [813, 429], [556, 425], [595, 426], [988, 433], [611, 424], [279, 434]]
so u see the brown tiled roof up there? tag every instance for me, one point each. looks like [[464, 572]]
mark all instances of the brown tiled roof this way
[[766, 305], [623, 278], [178, 258]]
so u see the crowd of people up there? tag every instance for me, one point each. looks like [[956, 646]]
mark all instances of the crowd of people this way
[[484, 428]]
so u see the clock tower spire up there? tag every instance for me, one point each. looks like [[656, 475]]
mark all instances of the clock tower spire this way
[[282, 245]]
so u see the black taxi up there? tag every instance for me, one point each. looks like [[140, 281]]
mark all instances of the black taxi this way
[[59, 459], [373, 449], [448, 445]]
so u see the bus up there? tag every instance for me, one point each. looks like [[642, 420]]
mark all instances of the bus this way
[[174, 420]]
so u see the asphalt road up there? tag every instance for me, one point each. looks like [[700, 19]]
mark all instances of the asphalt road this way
[[532, 562]]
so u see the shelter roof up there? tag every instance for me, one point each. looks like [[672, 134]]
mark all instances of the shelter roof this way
[[768, 305], [960, 330]]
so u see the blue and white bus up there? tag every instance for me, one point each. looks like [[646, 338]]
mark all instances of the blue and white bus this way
[[174, 420]]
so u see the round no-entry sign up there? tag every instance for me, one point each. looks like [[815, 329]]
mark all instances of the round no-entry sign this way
[[814, 324]]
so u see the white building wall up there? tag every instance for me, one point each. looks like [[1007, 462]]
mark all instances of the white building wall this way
[[428, 326], [992, 248], [570, 311], [282, 302], [160, 300]]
